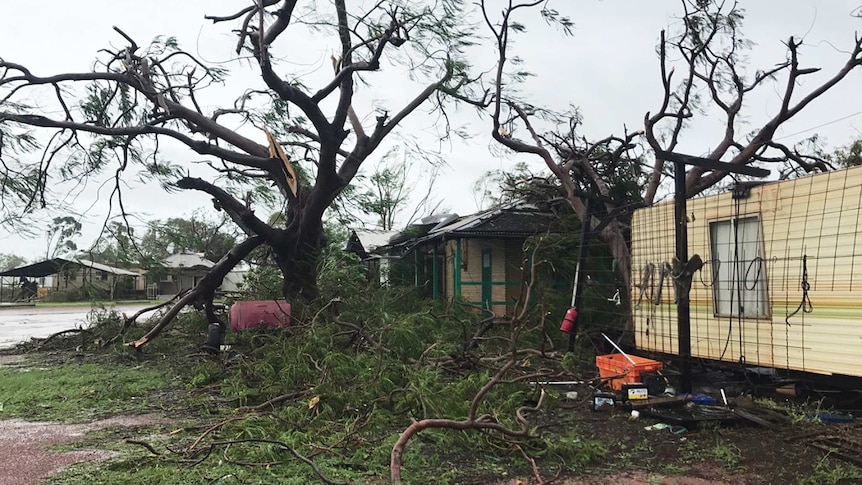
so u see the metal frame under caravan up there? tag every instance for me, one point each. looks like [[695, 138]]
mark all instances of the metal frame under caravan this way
[[782, 281]]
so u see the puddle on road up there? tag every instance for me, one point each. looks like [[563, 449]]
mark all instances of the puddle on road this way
[[24, 323]]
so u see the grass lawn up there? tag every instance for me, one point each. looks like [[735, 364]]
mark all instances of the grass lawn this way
[[77, 392]]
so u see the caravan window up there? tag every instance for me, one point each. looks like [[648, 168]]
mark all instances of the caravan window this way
[[738, 268]]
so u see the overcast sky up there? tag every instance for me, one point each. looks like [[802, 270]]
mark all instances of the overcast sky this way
[[608, 68]]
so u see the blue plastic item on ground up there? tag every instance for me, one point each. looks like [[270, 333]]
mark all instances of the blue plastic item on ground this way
[[703, 399], [832, 418]]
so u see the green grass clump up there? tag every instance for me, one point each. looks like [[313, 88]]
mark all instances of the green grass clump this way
[[77, 392], [725, 454], [830, 472]]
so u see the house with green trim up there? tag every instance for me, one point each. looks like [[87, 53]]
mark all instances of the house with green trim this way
[[479, 257]]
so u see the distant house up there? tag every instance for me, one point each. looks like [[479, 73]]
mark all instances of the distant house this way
[[234, 279], [364, 243], [61, 274], [185, 270], [477, 257], [179, 272]]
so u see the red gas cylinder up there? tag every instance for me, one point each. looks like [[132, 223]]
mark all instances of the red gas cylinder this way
[[569, 320], [259, 313]]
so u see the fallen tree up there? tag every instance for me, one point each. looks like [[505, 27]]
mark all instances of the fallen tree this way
[[138, 96]]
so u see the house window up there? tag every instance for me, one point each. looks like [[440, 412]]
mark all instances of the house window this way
[[738, 268], [103, 276]]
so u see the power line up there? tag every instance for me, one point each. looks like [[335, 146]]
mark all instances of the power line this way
[[818, 126]]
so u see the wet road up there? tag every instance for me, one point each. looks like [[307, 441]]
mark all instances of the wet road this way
[[23, 323]]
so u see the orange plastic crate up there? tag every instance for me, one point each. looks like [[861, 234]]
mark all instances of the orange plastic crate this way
[[621, 371]]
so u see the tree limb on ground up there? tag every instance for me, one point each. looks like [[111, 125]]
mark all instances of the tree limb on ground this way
[[128, 322], [63, 332], [472, 421]]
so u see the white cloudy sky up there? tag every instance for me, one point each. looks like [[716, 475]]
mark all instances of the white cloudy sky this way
[[608, 68]]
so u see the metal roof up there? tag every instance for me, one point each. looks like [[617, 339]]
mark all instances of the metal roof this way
[[371, 239], [105, 267], [55, 265], [187, 260], [514, 218]]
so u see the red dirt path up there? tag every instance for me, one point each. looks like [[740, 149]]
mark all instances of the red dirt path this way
[[24, 455]]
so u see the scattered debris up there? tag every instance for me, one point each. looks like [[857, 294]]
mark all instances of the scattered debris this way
[[836, 442], [604, 401], [660, 426], [657, 402]]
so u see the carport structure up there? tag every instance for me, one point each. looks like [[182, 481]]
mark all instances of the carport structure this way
[[71, 273]]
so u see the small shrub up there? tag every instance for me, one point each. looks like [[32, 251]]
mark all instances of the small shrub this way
[[726, 455]]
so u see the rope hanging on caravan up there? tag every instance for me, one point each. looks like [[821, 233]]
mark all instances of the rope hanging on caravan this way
[[805, 304], [666, 270], [760, 264], [646, 282], [715, 265]]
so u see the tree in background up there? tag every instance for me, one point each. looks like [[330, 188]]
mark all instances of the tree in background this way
[[389, 191], [60, 236], [197, 234], [10, 261], [116, 246], [849, 155], [519, 183], [137, 96], [713, 83], [7, 262]]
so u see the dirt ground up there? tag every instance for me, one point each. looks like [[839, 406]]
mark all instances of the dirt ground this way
[[25, 446], [790, 450]]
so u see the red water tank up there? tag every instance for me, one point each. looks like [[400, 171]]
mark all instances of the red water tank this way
[[259, 313]]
